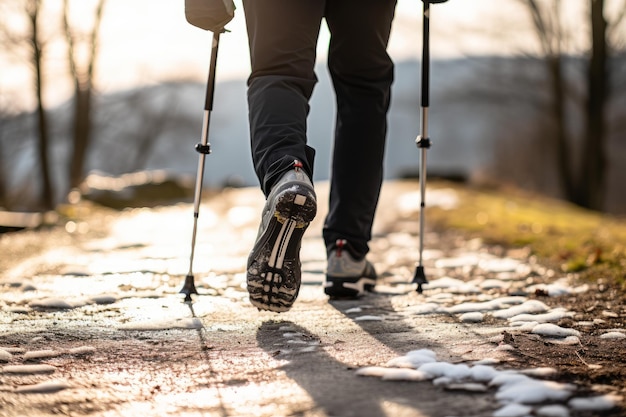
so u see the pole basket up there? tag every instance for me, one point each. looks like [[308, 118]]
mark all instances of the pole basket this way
[[189, 288], [419, 278]]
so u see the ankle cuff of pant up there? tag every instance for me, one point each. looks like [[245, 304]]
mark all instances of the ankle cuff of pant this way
[[279, 167]]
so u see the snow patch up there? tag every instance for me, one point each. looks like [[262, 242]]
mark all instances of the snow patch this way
[[423, 309], [82, 350], [473, 317], [5, 356], [368, 318], [543, 372], [599, 403], [490, 284], [534, 392], [59, 303], [405, 375], [453, 285], [483, 373], [560, 287], [459, 261], [513, 410], [552, 316], [41, 354], [455, 372], [568, 341], [613, 335], [552, 330], [530, 306], [499, 265], [554, 410], [46, 387], [28, 369], [414, 359], [495, 304]]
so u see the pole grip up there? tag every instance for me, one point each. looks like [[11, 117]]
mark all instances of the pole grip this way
[[426, 55]]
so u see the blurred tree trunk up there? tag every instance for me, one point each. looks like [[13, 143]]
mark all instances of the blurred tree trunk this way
[[592, 184], [33, 8], [3, 176], [548, 29], [4, 199], [586, 187], [83, 76], [563, 141]]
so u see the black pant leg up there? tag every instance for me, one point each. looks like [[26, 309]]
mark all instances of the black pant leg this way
[[282, 38], [362, 74]]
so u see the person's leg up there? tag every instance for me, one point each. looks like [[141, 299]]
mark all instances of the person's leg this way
[[362, 74], [282, 37]]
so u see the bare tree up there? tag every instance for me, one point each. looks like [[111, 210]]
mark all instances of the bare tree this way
[[31, 44], [83, 76], [32, 9], [592, 186], [549, 31], [586, 185], [3, 185]]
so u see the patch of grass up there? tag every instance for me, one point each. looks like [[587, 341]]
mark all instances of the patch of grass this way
[[571, 238]]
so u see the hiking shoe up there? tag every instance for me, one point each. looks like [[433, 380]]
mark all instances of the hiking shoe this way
[[273, 273], [346, 276]]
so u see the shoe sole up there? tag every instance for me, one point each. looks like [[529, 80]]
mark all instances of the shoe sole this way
[[274, 262], [342, 287]]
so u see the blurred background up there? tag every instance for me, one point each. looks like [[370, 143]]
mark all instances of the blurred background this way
[[106, 95]]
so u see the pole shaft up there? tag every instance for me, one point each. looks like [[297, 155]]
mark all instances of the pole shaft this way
[[422, 177], [208, 107], [193, 244], [208, 104], [426, 55], [424, 121]]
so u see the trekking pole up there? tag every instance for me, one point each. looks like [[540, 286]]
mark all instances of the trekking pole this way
[[203, 148], [423, 142]]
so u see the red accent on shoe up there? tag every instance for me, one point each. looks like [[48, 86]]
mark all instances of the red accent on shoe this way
[[340, 244], [297, 164]]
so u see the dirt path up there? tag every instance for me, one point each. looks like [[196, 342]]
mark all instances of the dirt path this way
[[98, 319]]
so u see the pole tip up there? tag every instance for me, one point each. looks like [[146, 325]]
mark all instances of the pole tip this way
[[189, 288], [419, 278]]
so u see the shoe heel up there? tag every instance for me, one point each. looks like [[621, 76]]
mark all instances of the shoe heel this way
[[298, 206]]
